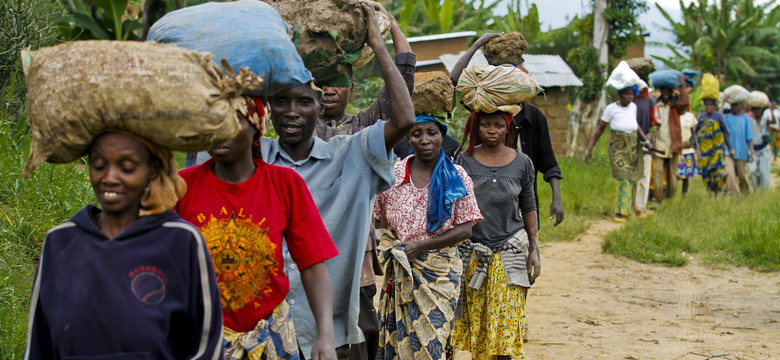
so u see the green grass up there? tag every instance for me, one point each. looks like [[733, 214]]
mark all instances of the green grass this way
[[587, 192], [739, 231], [28, 208]]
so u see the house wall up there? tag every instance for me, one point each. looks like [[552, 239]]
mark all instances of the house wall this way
[[554, 105], [432, 49]]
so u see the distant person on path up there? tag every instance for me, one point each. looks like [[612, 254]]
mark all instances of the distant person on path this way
[[625, 151], [502, 256], [713, 142], [761, 165], [644, 114], [668, 139], [427, 212], [687, 167], [773, 119], [130, 279], [742, 141]]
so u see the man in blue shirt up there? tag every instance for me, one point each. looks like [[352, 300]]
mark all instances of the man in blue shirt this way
[[343, 176], [742, 142]]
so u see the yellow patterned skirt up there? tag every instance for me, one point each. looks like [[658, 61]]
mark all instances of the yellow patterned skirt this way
[[493, 316]]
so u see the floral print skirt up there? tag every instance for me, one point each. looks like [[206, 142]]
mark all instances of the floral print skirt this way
[[493, 316]]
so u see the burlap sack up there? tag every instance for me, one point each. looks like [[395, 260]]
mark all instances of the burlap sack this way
[[330, 35], [433, 94], [490, 89], [736, 94], [758, 99], [710, 87], [171, 96]]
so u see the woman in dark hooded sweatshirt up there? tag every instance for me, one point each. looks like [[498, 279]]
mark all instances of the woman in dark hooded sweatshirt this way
[[131, 279]]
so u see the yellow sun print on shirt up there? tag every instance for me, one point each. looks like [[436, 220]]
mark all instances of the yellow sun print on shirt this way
[[244, 259]]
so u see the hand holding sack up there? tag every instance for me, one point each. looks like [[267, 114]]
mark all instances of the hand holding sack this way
[[623, 76], [248, 34], [170, 96], [489, 89], [506, 49]]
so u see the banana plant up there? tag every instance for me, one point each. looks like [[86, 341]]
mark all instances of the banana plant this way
[[114, 19]]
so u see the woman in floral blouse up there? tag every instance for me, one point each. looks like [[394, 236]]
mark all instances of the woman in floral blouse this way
[[425, 214]]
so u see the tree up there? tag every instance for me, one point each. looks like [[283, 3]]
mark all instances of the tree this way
[[736, 39], [615, 28], [426, 17]]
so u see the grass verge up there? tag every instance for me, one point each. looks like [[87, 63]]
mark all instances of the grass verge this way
[[740, 231], [587, 192]]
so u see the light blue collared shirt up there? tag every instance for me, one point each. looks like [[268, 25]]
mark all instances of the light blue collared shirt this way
[[343, 176]]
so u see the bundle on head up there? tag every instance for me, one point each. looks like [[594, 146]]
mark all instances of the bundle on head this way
[[330, 35], [623, 77], [710, 87], [506, 49], [641, 66], [169, 95], [758, 99], [490, 89], [434, 94], [736, 94], [261, 44], [665, 79]]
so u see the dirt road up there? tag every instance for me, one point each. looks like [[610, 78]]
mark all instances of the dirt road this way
[[597, 306]]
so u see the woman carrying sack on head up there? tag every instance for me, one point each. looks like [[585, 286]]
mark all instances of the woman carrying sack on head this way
[[502, 255], [424, 215], [245, 208], [625, 151], [130, 279]]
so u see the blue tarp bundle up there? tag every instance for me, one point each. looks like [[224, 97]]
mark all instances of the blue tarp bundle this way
[[247, 33], [665, 78]]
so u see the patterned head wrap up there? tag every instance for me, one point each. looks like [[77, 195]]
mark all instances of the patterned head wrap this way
[[257, 111], [471, 130], [446, 185]]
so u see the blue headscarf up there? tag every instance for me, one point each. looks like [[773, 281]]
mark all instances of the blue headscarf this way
[[635, 89], [446, 185]]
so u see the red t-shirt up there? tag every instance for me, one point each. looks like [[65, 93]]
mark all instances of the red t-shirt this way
[[243, 225]]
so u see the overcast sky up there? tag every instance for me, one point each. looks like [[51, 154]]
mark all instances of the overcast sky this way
[[558, 13]]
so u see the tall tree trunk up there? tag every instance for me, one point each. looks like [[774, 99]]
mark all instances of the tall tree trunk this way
[[584, 115]]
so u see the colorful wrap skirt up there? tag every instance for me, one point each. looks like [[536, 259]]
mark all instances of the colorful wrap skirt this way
[[417, 301], [686, 166], [625, 156], [713, 146], [273, 338]]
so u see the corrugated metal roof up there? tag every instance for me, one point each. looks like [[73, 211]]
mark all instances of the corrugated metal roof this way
[[547, 70]]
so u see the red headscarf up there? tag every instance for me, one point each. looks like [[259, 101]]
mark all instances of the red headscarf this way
[[471, 130], [257, 111]]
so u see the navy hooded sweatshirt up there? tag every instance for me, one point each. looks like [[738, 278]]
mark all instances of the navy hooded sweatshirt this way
[[149, 293]]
